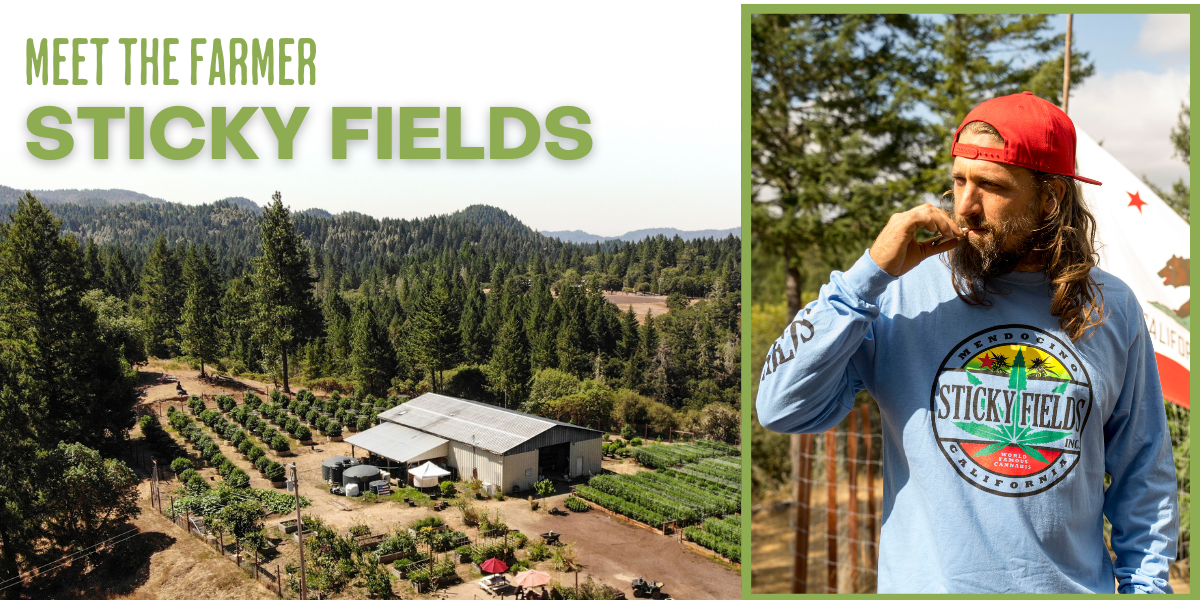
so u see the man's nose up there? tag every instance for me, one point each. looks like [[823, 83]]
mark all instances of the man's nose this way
[[968, 203]]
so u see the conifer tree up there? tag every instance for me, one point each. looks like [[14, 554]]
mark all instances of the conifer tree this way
[[371, 357], [510, 360], [163, 292], [199, 327], [435, 340], [284, 307]]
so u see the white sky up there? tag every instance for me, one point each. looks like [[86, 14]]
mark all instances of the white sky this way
[[660, 83]]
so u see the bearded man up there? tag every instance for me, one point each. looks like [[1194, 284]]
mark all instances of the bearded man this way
[[1012, 375]]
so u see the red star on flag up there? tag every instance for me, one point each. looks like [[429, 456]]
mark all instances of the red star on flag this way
[[986, 361], [1135, 200]]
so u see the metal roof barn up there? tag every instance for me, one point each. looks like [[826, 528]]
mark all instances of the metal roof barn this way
[[498, 430], [399, 443]]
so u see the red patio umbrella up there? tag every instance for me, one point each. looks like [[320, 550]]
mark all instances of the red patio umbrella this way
[[493, 565]]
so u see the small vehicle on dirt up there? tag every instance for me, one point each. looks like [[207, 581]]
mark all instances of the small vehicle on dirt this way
[[647, 589]]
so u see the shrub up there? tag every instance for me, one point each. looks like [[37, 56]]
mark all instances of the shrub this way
[[226, 403], [544, 487], [312, 415], [576, 505], [181, 464], [290, 425], [635, 441], [196, 485], [252, 400], [238, 479], [333, 429], [628, 431], [186, 474], [447, 488], [149, 426], [280, 444], [195, 404], [360, 529], [340, 414], [277, 396], [363, 423], [538, 550], [303, 434], [274, 471], [322, 421], [217, 460], [255, 453], [261, 463], [245, 446]]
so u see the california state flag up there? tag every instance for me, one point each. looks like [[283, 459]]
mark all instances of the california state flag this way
[[1148, 246]]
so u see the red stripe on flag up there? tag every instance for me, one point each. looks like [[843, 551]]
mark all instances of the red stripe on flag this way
[[1176, 381]]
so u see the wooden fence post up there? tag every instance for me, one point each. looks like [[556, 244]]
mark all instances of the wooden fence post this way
[[873, 552], [852, 508], [279, 582], [802, 445], [831, 510]]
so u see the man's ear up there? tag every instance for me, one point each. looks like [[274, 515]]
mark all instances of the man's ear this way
[[1051, 200]]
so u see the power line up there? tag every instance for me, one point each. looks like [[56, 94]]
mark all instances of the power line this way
[[17, 580]]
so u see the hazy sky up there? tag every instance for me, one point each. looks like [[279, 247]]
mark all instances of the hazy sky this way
[[1133, 100], [660, 83]]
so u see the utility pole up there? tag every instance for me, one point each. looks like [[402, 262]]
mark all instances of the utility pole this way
[[295, 481], [1067, 64], [155, 499]]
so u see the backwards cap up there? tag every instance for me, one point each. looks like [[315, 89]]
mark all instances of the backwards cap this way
[[1037, 135]]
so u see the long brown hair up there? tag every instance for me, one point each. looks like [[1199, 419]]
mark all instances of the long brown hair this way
[[1066, 241]]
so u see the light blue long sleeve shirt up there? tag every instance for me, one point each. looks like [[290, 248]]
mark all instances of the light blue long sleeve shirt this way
[[997, 430]]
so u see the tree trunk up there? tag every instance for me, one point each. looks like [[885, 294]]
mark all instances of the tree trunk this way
[[286, 389], [794, 280]]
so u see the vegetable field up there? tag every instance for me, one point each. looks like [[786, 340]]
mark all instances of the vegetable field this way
[[697, 494]]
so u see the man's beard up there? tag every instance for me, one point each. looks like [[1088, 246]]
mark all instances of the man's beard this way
[[981, 258]]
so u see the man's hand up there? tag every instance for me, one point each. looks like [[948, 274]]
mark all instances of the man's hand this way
[[897, 251]]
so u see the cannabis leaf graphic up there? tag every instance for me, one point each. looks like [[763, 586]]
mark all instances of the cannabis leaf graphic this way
[[1010, 434], [1042, 367]]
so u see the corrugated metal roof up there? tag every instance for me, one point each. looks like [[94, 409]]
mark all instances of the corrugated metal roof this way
[[482, 425], [396, 442]]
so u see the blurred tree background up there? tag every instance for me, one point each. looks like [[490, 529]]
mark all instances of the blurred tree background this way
[[851, 119]]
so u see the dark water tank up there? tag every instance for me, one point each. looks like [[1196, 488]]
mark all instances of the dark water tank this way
[[327, 467], [363, 475]]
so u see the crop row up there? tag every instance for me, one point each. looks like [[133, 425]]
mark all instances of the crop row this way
[[717, 470], [627, 487], [712, 484], [723, 449], [662, 456], [703, 502], [729, 529], [620, 506], [714, 542]]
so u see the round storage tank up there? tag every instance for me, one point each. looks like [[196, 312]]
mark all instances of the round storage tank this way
[[362, 475], [327, 467]]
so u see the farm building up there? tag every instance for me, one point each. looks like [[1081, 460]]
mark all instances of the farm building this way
[[503, 448]]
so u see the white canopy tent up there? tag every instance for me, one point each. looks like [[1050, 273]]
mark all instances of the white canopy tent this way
[[1147, 245], [427, 475]]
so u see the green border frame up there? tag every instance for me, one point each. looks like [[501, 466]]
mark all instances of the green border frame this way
[[750, 9]]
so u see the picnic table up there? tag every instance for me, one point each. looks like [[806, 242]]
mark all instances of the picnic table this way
[[497, 584]]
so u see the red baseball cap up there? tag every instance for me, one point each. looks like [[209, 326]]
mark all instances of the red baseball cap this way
[[1037, 135]]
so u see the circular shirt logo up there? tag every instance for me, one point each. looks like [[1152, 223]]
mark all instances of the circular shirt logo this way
[[1008, 406]]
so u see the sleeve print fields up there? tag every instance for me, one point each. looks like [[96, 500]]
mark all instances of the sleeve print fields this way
[[821, 360]]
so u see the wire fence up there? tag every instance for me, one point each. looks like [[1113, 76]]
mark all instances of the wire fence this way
[[837, 490], [272, 579]]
